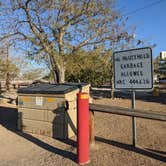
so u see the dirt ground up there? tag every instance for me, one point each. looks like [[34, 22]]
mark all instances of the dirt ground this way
[[112, 147]]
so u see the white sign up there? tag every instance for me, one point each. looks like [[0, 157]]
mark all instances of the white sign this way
[[133, 69], [39, 101]]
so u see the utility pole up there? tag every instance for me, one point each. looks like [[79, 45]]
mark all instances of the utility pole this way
[[112, 71], [7, 68]]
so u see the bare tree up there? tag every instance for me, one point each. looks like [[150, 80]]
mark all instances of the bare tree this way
[[4, 69], [59, 28], [8, 70]]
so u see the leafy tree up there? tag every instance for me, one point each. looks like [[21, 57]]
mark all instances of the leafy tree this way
[[91, 67], [59, 29], [8, 72], [12, 70]]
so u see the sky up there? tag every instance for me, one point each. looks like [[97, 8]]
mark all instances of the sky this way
[[150, 21], [149, 17]]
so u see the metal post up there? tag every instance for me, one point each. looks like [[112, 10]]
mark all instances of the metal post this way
[[112, 82], [112, 70], [91, 128], [133, 119], [0, 88], [82, 128]]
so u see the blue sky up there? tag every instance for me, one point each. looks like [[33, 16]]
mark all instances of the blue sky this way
[[150, 22]]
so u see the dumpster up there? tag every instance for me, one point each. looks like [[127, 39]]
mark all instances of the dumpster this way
[[49, 109]]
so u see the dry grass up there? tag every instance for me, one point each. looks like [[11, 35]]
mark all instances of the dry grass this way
[[113, 142]]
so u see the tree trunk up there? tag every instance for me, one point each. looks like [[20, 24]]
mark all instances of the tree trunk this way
[[55, 76], [61, 73], [58, 71]]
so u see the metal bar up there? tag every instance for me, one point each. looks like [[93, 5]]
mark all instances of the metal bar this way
[[133, 120], [128, 112]]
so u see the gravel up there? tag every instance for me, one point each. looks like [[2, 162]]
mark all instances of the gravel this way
[[112, 146]]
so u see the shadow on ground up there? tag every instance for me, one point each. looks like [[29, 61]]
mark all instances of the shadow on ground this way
[[146, 152], [8, 118], [48, 147]]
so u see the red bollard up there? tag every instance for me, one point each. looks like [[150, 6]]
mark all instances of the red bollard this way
[[82, 128]]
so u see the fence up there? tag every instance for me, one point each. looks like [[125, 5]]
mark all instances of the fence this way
[[160, 116]]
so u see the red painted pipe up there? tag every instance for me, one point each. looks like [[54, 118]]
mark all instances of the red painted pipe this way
[[82, 128]]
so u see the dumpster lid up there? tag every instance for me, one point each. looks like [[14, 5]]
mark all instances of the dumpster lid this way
[[46, 88]]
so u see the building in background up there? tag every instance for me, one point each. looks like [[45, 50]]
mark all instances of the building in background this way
[[160, 67], [162, 64], [163, 55]]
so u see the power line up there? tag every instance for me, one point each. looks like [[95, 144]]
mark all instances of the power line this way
[[144, 7]]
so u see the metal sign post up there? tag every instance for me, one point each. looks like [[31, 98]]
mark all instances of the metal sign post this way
[[133, 119], [133, 71]]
